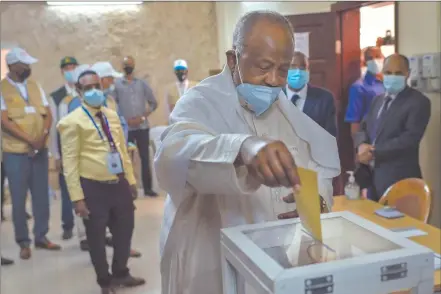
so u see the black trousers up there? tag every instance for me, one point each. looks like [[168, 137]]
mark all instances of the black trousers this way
[[3, 190], [142, 140], [109, 205]]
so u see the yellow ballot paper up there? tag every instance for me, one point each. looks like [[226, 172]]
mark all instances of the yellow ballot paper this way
[[308, 203]]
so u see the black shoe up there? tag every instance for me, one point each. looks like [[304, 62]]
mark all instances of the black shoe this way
[[67, 235], [128, 282], [6, 261], [150, 193], [84, 245], [47, 245]]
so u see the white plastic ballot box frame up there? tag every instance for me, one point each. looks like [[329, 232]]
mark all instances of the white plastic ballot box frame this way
[[410, 266]]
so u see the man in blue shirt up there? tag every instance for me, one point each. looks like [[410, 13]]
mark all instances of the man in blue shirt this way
[[363, 91]]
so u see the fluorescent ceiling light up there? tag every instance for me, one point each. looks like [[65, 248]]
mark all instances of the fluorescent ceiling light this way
[[89, 3]]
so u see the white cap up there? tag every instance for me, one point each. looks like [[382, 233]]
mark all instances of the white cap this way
[[19, 55], [180, 64], [79, 70], [105, 69]]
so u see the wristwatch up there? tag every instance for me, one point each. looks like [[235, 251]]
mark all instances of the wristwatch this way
[[323, 206]]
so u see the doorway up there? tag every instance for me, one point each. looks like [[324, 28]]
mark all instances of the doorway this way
[[335, 41], [377, 28], [359, 24]]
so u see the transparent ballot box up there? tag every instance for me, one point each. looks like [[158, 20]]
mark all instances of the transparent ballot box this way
[[356, 256]]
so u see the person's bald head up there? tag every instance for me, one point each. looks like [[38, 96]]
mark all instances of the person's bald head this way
[[300, 61], [128, 64], [396, 64], [264, 43]]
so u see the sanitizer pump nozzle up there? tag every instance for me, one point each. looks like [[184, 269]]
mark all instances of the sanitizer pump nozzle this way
[[352, 190]]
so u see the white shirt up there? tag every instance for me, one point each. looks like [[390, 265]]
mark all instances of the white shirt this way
[[71, 91], [392, 97], [302, 94], [24, 93], [182, 87]]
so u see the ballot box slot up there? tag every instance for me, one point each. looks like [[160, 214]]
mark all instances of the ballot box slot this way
[[320, 285]]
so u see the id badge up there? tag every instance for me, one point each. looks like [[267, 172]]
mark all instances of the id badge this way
[[30, 109], [114, 164]]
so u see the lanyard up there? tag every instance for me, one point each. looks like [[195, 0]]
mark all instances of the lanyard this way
[[111, 142]]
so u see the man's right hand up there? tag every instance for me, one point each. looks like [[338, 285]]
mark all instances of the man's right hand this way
[[270, 162], [37, 144], [365, 153], [81, 209]]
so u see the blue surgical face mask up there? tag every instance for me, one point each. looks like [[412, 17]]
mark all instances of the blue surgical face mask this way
[[69, 76], [394, 84], [258, 98], [297, 78], [374, 66], [94, 97]]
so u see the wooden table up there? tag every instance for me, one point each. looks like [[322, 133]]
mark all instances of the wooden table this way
[[366, 209]]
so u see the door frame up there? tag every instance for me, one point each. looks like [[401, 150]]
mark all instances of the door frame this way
[[342, 6], [346, 15]]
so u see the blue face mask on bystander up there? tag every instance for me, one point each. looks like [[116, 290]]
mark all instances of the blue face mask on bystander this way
[[297, 78], [394, 83], [94, 97], [69, 76]]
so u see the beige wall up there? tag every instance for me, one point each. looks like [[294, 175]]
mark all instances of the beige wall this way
[[228, 14], [154, 33], [419, 32]]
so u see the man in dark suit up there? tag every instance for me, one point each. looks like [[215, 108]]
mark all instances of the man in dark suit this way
[[389, 136], [315, 102]]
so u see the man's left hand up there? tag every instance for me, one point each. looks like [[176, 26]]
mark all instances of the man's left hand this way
[[293, 214], [134, 191]]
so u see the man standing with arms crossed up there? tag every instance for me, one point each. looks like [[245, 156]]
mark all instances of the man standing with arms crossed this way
[[26, 120], [136, 102]]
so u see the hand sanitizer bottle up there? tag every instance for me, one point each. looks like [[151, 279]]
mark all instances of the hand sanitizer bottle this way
[[352, 190]]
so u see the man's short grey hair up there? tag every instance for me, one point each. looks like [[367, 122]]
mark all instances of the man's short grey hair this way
[[247, 21]]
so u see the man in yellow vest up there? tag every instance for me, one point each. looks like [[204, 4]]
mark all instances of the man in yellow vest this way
[[181, 86], [26, 120]]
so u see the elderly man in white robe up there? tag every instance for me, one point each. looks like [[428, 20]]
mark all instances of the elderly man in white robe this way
[[234, 142]]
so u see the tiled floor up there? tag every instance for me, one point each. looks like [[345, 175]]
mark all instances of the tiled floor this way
[[70, 271]]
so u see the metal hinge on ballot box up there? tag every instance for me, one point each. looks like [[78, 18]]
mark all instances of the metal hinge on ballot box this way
[[394, 272], [321, 285]]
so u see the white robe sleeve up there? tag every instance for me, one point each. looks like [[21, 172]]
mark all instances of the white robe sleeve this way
[[193, 155], [206, 159]]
